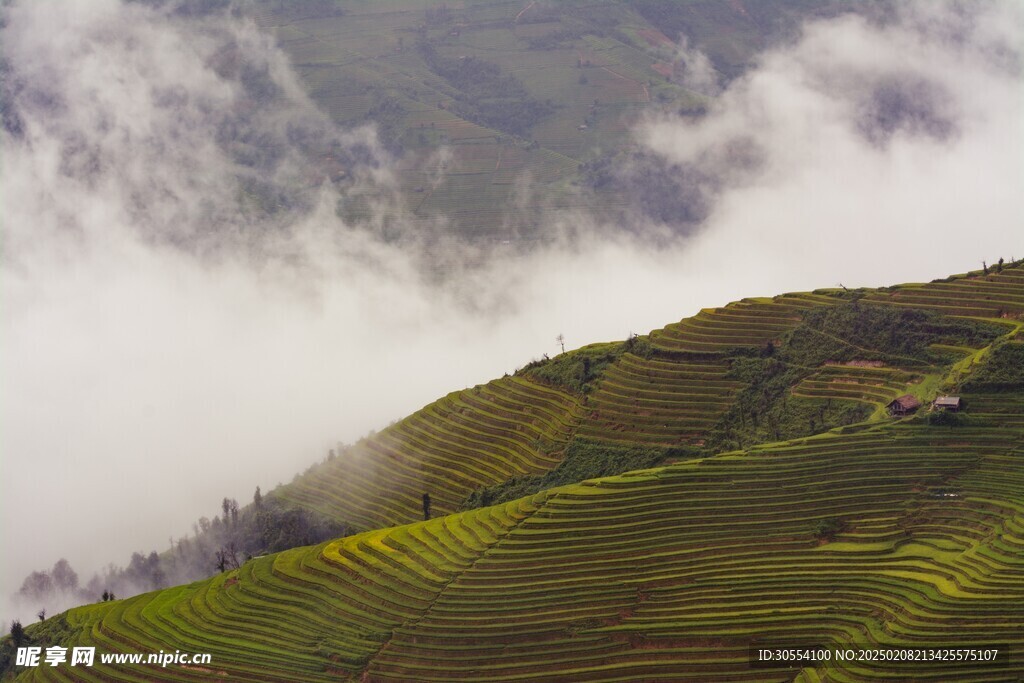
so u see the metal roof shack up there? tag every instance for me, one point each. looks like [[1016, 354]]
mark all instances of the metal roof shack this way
[[903, 405], [951, 403]]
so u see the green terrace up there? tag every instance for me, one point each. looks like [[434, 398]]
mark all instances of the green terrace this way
[[658, 402], [665, 390], [874, 385], [747, 323], [468, 439], [995, 295], [904, 533]]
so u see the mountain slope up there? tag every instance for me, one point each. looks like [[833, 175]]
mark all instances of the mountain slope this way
[[663, 574], [675, 388], [493, 105], [905, 531]]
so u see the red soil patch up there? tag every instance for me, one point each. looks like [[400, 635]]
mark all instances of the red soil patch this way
[[654, 37], [738, 6], [858, 363], [664, 69]]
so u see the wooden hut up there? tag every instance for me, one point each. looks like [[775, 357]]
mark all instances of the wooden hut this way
[[951, 403], [904, 405]]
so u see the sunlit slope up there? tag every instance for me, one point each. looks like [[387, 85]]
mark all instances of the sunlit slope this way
[[468, 439], [666, 574]]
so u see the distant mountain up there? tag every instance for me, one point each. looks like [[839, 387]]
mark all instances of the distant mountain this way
[[504, 110]]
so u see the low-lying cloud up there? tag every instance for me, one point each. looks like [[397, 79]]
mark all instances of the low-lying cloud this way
[[186, 317], [880, 152]]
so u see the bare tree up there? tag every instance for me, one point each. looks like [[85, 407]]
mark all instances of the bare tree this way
[[561, 341], [37, 586], [227, 558]]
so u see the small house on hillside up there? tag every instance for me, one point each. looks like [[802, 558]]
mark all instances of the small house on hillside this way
[[951, 403], [904, 405]]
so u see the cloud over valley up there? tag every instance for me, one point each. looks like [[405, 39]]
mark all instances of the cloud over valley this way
[[185, 315]]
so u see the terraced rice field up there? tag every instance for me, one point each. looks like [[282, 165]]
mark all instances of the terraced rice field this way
[[667, 574], [302, 615], [657, 402], [664, 575], [483, 436], [675, 397], [1000, 408], [851, 383], [510, 427], [992, 296], [743, 324], [468, 439]]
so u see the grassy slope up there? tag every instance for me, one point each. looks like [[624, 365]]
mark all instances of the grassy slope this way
[[664, 573]]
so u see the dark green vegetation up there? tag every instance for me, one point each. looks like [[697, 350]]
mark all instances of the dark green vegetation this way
[[801, 385], [486, 95], [575, 371], [54, 631], [1002, 370], [520, 93], [857, 529]]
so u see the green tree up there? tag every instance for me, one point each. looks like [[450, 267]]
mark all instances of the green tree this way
[[17, 633], [826, 529]]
